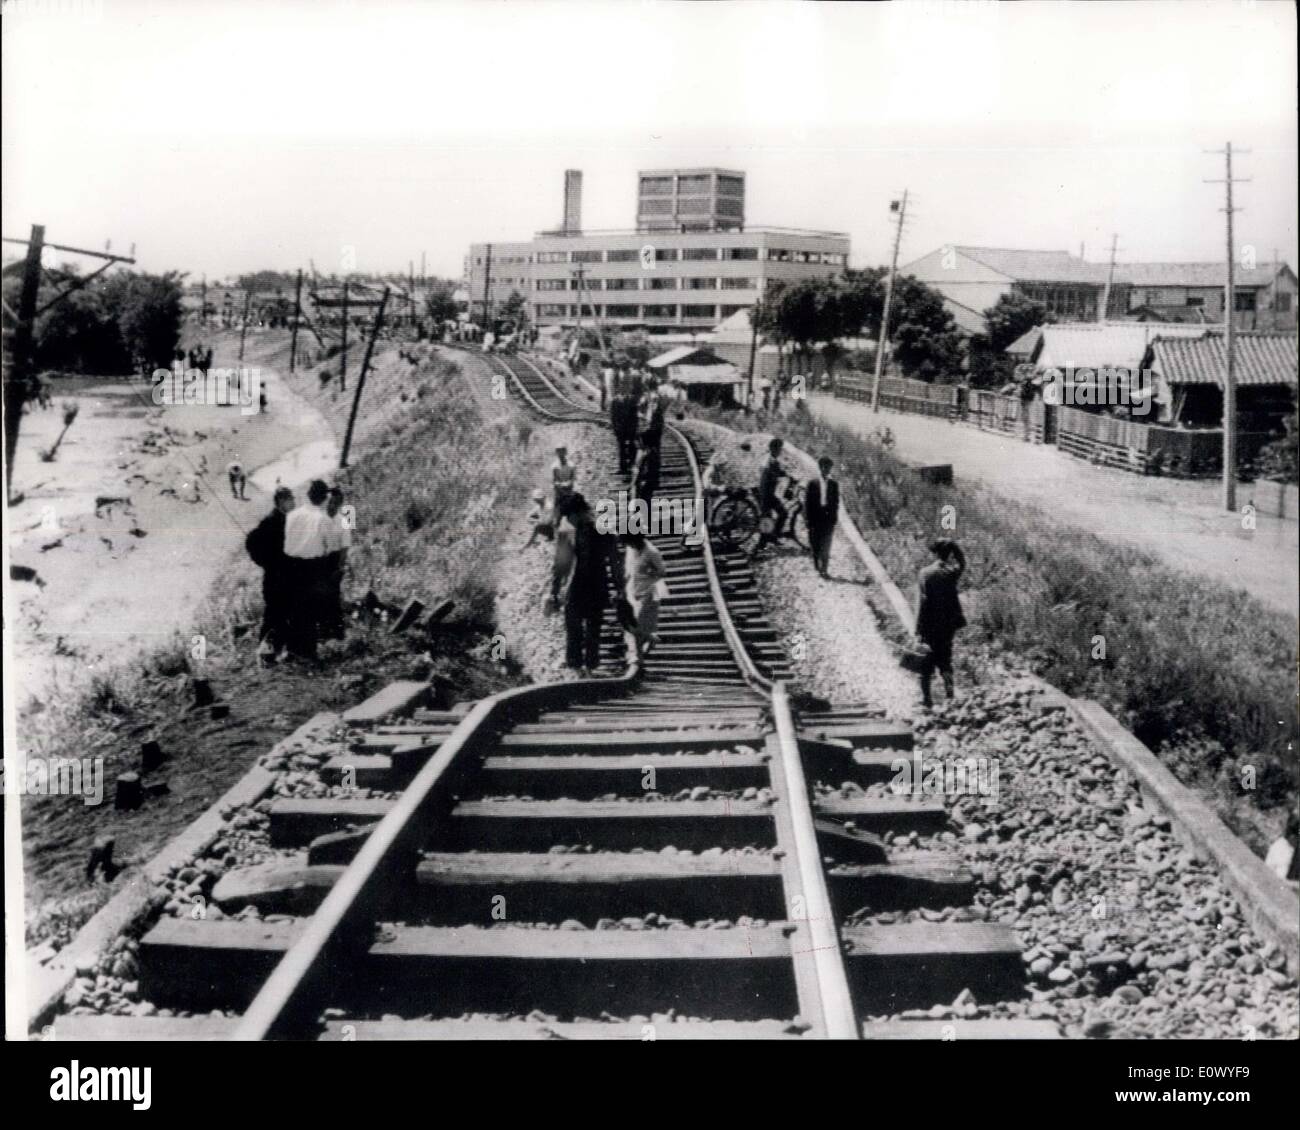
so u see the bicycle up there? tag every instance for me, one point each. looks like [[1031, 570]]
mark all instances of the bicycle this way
[[737, 520]]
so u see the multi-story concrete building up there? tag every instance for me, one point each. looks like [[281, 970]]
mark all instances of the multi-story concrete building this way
[[681, 268]]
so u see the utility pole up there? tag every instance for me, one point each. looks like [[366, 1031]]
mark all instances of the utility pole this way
[[343, 360], [424, 277], [297, 316], [901, 209], [753, 349], [361, 380], [17, 380], [203, 303], [1230, 342], [487, 284], [243, 325], [1104, 312], [410, 294], [16, 384], [583, 292]]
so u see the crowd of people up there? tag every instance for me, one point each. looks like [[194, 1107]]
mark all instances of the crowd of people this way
[[939, 613], [589, 564], [302, 552]]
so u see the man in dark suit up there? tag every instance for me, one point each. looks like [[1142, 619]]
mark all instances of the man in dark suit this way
[[822, 510], [938, 613], [265, 545], [622, 418], [595, 567]]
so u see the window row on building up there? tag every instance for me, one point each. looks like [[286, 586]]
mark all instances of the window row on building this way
[[695, 254], [699, 283], [632, 311]]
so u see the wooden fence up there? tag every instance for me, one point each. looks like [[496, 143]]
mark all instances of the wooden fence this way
[[1104, 440], [992, 412], [902, 394], [1148, 448]]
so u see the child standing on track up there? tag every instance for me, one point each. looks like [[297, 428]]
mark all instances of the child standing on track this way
[[939, 614], [644, 566]]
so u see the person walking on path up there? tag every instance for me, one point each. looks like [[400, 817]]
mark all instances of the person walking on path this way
[[238, 481], [595, 568], [310, 537], [563, 475], [822, 511], [265, 545], [644, 567], [622, 418], [939, 614], [769, 500], [645, 470]]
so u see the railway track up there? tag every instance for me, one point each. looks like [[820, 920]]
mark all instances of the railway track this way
[[656, 854]]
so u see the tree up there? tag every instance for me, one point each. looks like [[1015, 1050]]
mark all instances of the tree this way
[[514, 309], [262, 282], [149, 311], [440, 304], [123, 321], [79, 335], [924, 339], [1011, 317]]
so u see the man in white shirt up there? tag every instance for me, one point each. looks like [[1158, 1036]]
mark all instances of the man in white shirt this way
[[563, 475], [606, 385], [311, 536]]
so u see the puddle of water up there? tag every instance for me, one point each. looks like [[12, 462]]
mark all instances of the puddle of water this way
[[316, 460]]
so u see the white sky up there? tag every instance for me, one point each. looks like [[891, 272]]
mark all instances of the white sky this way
[[223, 137]]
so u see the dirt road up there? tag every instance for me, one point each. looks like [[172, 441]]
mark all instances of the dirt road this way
[[1176, 520]]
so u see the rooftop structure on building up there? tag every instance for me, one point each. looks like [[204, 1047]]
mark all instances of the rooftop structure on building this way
[[690, 200], [685, 267]]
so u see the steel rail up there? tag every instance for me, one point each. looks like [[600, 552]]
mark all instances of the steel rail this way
[[823, 959], [343, 924]]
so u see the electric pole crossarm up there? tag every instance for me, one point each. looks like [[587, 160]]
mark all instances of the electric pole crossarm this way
[[75, 250]]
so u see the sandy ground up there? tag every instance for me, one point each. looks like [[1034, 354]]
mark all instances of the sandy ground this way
[[115, 584], [1177, 520]]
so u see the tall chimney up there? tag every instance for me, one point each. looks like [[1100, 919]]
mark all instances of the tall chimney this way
[[572, 201]]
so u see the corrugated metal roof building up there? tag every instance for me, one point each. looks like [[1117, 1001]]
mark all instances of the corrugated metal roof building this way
[[1259, 359]]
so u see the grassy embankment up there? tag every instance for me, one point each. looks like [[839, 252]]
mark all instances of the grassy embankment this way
[[1202, 674], [436, 469]]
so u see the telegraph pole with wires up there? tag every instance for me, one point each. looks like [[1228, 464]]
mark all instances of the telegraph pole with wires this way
[[899, 207], [21, 347], [1104, 312], [584, 295], [1229, 338], [343, 356], [297, 317]]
